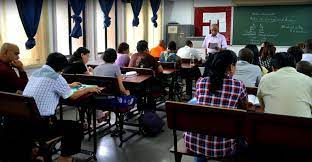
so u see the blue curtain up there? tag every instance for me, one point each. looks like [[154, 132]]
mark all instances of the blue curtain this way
[[155, 6], [29, 12], [136, 8], [106, 6], [77, 6]]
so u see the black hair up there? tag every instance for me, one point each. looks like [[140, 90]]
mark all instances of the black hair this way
[[219, 67], [296, 52], [304, 67], [57, 61], [109, 55], [188, 43], [172, 46], [246, 54], [76, 57], [123, 47], [267, 51], [142, 46], [255, 52], [308, 45], [283, 59]]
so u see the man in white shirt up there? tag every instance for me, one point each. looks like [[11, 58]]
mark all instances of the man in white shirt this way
[[285, 91], [307, 56], [215, 41], [246, 72], [187, 52]]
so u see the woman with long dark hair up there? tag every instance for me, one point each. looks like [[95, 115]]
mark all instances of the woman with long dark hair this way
[[256, 60], [217, 90], [78, 61], [266, 53]]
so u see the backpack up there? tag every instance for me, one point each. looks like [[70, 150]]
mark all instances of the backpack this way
[[151, 123]]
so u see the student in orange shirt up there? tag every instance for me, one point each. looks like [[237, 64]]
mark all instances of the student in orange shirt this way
[[155, 52]]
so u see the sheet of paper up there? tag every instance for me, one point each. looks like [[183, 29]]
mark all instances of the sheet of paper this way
[[206, 30], [207, 17], [214, 17], [172, 29]]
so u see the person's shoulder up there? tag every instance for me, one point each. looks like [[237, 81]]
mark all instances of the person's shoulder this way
[[221, 35]]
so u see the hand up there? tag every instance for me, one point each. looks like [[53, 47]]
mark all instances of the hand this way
[[75, 84], [218, 48], [18, 64], [127, 92], [90, 69], [95, 89]]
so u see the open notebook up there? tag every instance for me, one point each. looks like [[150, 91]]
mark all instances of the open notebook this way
[[253, 99]]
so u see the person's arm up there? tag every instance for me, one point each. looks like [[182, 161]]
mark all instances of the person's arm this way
[[21, 81], [122, 88], [160, 68], [223, 43], [132, 60], [260, 94], [243, 98], [84, 91]]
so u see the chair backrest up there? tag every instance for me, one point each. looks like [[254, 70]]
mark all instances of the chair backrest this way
[[110, 84], [168, 65], [205, 120], [18, 106], [140, 71], [281, 131]]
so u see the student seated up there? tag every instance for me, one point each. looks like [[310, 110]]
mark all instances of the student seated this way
[[143, 59], [9, 60], [307, 56], [188, 52], [171, 54], [304, 67], [246, 72], [256, 60], [123, 55], [296, 52], [217, 90], [78, 61], [47, 85], [266, 52], [109, 69], [156, 51], [285, 91]]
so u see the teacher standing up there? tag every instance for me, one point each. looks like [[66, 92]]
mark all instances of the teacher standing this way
[[214, 42]]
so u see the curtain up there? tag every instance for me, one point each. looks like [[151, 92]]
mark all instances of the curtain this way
[[77, 6], [106, 6], [155, 6], [29, 12], [136, 8]]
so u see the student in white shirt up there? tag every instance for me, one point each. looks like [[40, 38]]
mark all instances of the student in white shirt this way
[[187, 52], [214, 38]]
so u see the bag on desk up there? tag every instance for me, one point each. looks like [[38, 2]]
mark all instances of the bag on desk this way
[[152, 123]]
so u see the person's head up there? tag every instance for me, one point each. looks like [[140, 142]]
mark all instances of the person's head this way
[[172, 46], [304, 67], [222, 65], [296, 52], [109, 56], [57, 61], [9, 52], [255, 52], [301, 45], [267, 51], [266, 43], [142, 46], [214, 29], [282, 59], [246, 54], [162, 44], [82, 54], [189, 43], [308, 46], [123, 48]]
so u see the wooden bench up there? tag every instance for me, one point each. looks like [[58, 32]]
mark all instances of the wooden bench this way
[[202, 119], [23, 111]]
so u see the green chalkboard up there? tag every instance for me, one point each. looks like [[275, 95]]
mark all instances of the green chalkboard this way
[[281, 25]]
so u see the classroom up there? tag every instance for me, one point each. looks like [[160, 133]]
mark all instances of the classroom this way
[[155, 80]]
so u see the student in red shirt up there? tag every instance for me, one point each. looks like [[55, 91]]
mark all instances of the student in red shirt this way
[[9, 60]]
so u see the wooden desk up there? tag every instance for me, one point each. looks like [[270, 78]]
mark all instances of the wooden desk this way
[[169, 71], [136, 79], [187, 65]]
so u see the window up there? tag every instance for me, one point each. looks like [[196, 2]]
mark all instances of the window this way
[[145, 30], [62, 31], [100, 29], [12, 31]]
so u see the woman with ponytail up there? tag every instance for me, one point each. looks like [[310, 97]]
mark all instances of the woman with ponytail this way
[[217, 89], [78, 61]]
